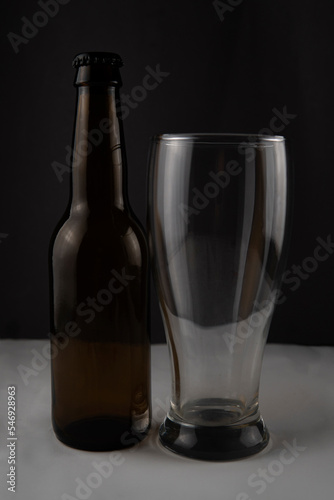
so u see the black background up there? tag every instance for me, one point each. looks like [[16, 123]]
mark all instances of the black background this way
[[225, 75]]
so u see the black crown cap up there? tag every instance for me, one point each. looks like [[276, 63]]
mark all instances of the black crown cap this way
[[87, 58]]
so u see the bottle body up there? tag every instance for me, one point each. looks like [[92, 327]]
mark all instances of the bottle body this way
[[100, 338]]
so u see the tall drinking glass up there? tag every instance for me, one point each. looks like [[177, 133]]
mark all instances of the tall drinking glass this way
[[218, 212]]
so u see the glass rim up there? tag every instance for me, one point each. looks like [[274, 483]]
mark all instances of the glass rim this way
[[218, 138]]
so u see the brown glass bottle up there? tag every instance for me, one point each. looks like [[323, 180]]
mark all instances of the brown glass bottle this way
[[99, 327]]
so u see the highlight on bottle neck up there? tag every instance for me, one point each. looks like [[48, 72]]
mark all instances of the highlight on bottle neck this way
[[97, 68]]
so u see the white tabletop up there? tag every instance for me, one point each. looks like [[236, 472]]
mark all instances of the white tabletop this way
[[296, 400]]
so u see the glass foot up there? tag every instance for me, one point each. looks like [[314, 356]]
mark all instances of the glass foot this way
[[214, 443]]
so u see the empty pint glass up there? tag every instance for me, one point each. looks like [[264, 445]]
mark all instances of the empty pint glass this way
[[218, 216]]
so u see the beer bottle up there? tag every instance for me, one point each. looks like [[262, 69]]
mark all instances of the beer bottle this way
[[99, 280]]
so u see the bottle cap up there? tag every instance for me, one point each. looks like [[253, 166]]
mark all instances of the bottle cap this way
[[88, 58], [97, 68]]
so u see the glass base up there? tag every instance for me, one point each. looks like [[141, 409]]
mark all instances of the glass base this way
[[212, 442]]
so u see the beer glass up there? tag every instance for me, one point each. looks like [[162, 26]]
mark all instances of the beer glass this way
[[218, 217]]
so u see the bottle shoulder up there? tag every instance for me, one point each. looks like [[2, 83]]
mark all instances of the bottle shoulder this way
[[118, 222], [117, 234]]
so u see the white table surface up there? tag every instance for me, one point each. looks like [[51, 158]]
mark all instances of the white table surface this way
[[297, 403]]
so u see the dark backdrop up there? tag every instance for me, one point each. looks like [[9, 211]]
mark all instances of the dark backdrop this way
[[232, 66]]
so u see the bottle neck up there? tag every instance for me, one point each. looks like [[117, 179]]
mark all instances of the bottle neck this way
[[99, 163]]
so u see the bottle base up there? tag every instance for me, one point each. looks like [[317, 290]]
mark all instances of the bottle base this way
[[100, 434], [214, 443]]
